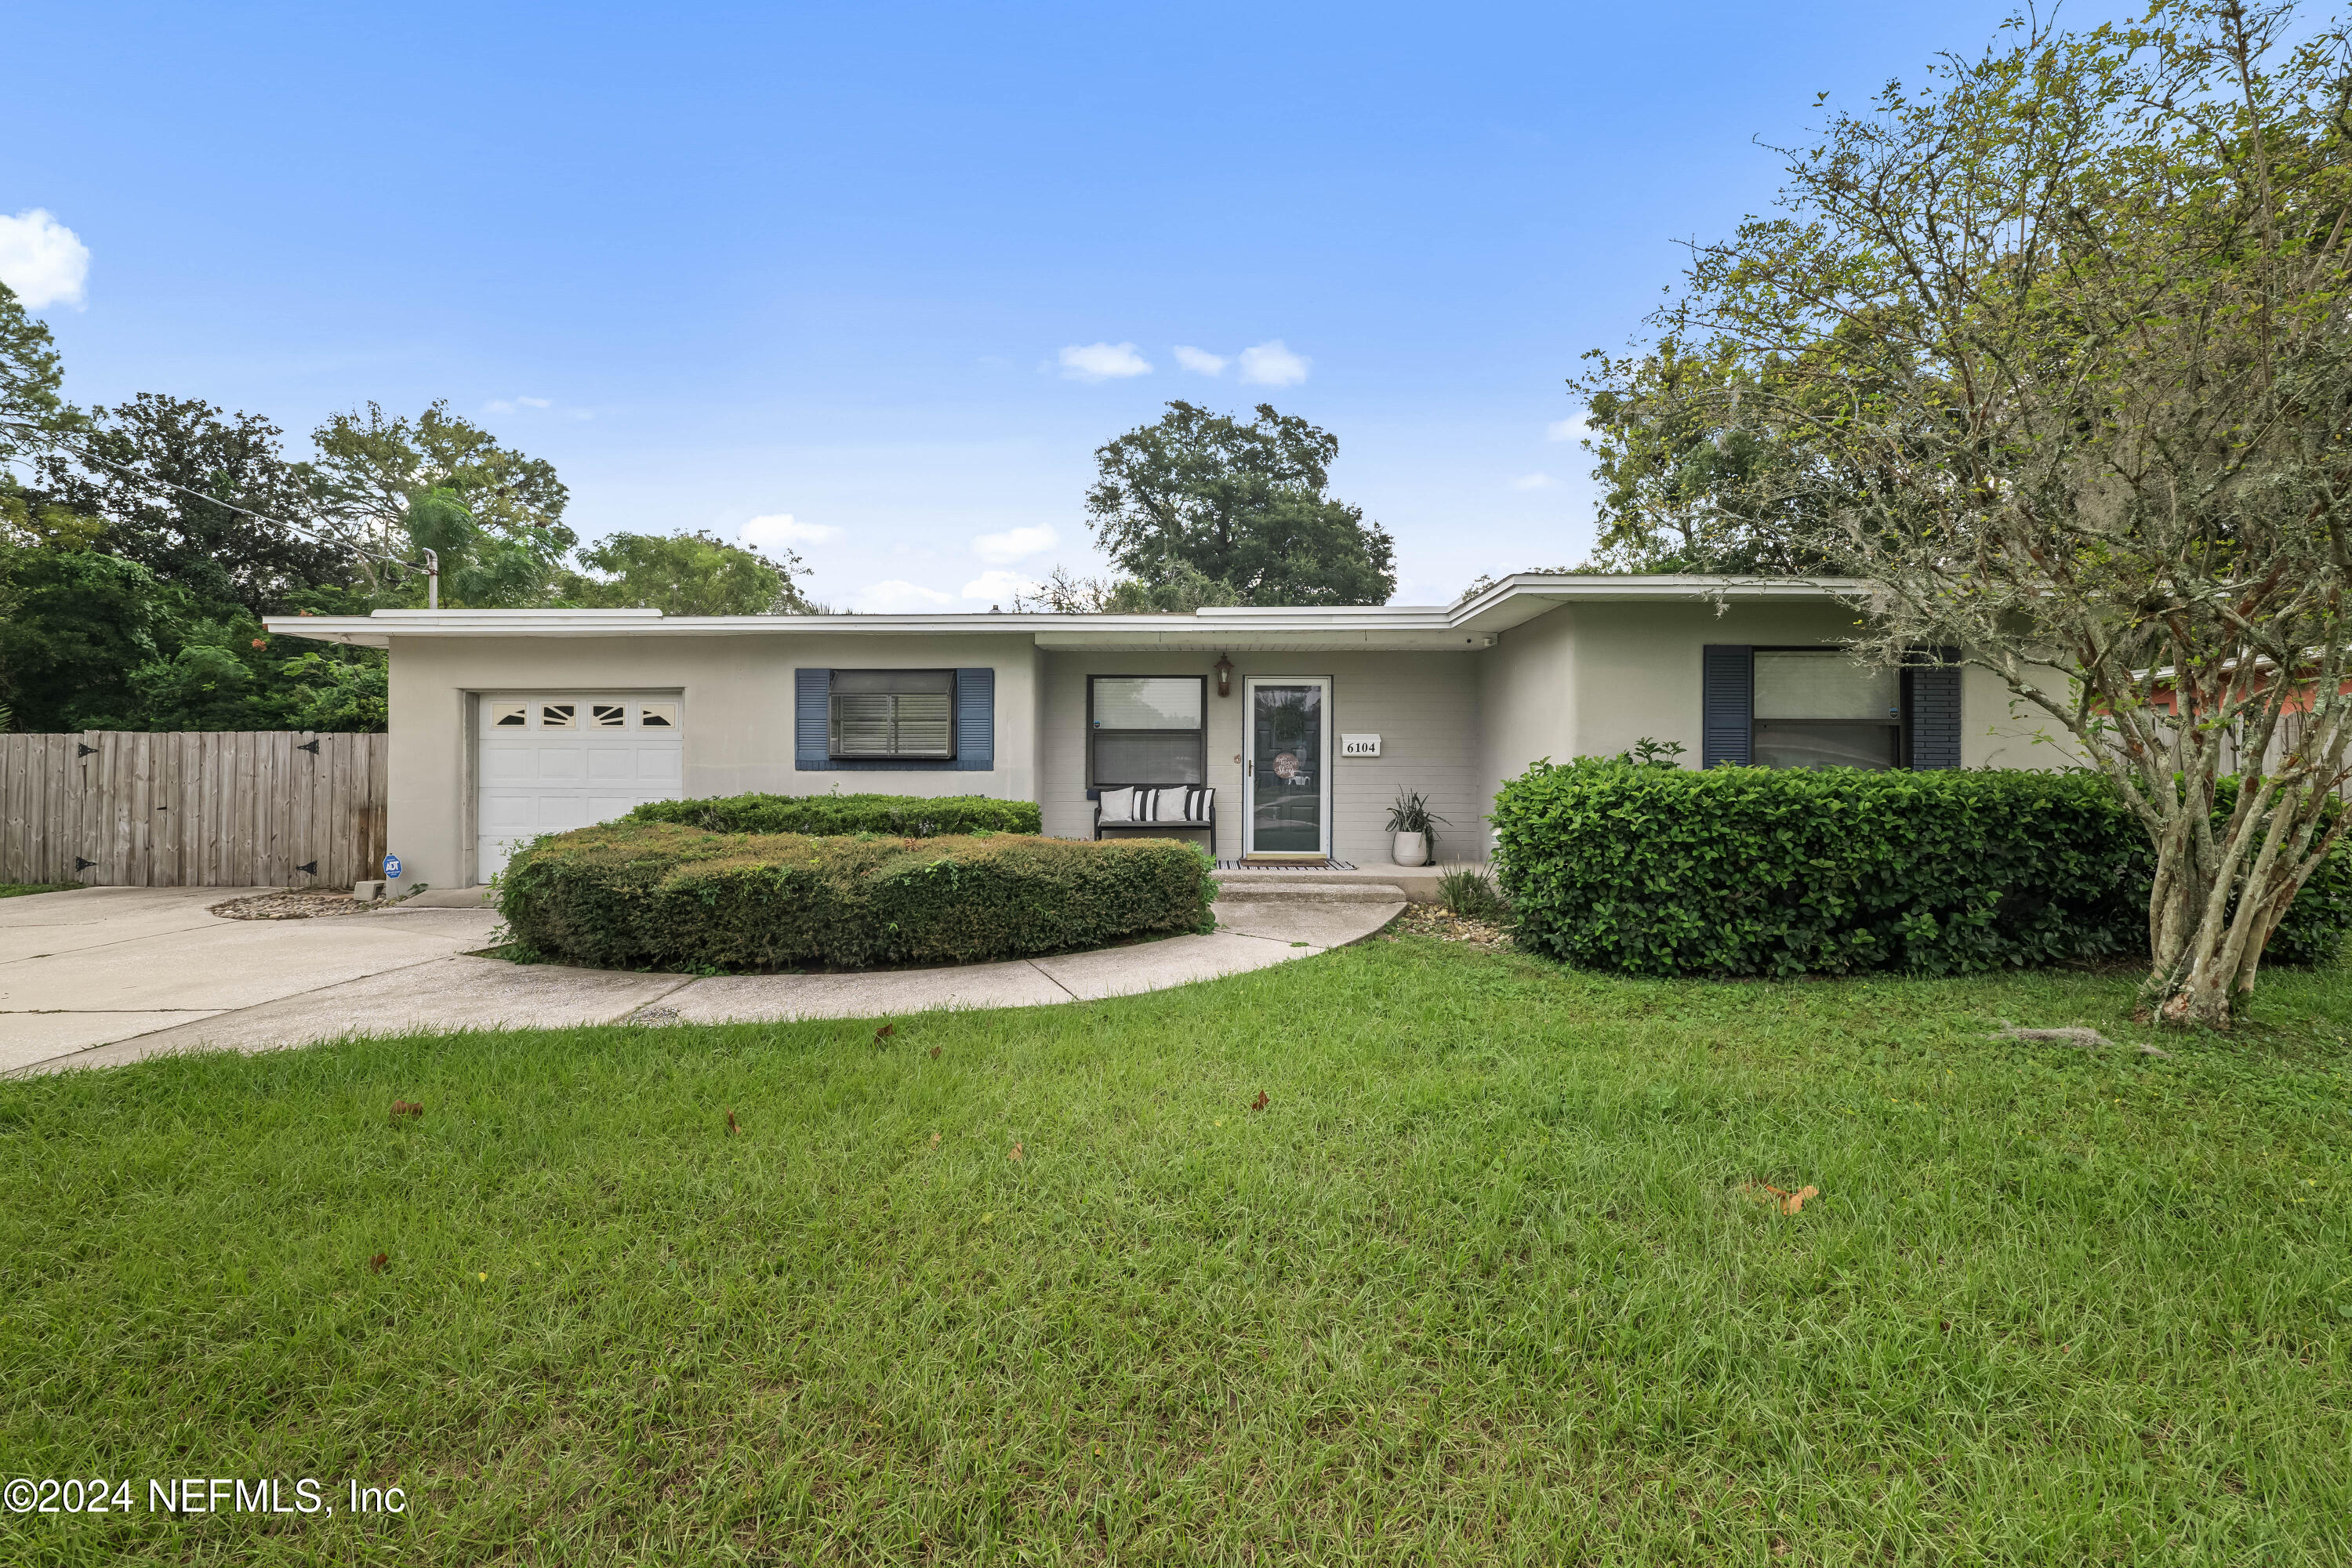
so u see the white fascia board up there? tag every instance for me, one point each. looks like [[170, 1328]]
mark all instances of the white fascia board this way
[[1241, 638], [1522, 598], [1509, 602]]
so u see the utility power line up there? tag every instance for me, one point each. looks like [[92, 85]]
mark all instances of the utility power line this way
[[432, 558]]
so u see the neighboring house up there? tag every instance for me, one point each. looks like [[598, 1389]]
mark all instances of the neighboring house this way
[[2294, 715], [1305, 722]]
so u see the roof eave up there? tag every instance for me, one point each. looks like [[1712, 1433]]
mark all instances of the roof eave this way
[[1513, 601]]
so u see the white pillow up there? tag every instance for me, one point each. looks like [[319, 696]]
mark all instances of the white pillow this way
[[1119, 805], [1179, 802]]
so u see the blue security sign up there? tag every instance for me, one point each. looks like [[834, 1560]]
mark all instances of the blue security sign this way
[[392, 867]]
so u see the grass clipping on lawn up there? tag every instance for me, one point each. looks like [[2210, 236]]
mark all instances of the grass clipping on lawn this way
[[662, 896], [1494, 1273]]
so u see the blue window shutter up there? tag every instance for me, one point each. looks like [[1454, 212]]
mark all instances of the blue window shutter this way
[[975, 720], [1726, 704], [1936, 713], [812, 716]]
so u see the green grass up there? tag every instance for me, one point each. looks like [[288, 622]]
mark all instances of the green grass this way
[[1482, 1283], [17, 890]]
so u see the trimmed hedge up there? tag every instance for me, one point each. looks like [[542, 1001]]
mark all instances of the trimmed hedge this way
[[901, 815], [1759, 871], [663, 896]]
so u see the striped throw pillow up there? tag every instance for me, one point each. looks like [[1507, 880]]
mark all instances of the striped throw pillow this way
[[1183, 803]]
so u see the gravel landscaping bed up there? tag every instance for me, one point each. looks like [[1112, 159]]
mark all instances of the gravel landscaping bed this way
[[308, 904], [1434, 920]]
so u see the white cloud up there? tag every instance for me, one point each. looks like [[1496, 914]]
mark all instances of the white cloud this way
[[998, 587], [1533, 482], [1270, 363], [780, 529], [532, 401], [42, 260], [1564, 430], [897, 597], [1103, 362], [1199, 360], [1013, 544]]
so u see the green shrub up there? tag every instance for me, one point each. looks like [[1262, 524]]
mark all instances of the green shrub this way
[[1757, 871], [901, 815], [663, 896]]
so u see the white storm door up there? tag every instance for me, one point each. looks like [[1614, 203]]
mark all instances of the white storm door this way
[[552, 761], [1286, 767]]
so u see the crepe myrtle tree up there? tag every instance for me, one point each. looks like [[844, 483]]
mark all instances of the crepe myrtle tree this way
[[2059, 342]]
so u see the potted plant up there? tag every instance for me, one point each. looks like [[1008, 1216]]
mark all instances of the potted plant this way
[[1413, 823]]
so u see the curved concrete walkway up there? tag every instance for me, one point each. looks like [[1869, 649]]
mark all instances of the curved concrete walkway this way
[[106, 975]]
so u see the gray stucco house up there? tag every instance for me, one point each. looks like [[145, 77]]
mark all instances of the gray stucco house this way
[[1305, 722]]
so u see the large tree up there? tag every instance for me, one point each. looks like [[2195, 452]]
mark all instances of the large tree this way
[[198, 529], [372, 468], [1240, 506], [1692, 479], [31, 409], [74, 625], [2066, 326], [1178, 591], [687, 574]]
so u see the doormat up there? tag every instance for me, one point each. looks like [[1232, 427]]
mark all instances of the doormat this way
[[1285, 865]]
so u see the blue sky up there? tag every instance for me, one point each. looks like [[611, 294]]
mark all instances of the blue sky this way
[[729, 266]]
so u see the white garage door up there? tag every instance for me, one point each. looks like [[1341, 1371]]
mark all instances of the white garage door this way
[[550, 761]]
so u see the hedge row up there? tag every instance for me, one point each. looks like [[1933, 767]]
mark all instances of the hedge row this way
[[901, 815], [663, 896], [1755, 871]]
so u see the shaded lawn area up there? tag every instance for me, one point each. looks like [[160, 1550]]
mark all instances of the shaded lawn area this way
[[18, 889], [1482, 1282]]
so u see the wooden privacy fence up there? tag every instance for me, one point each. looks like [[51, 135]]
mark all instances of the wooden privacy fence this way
[[274, 808]]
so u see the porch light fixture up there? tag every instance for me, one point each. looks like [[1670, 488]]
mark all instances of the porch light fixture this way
[[1224, 668]]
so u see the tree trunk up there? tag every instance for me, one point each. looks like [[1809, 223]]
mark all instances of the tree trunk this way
[[2209, 944]]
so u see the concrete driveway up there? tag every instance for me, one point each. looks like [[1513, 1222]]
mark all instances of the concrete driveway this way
[[103, 975]]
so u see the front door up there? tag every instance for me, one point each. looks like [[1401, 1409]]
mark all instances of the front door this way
[[1286, 769]]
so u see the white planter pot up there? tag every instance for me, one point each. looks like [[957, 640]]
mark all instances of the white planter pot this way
[[1411, 849]]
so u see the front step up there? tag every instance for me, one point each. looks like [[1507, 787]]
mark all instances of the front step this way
[[1415, 884], [1293, 888]]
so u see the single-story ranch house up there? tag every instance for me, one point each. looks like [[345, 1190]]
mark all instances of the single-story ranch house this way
[[1292, 729]]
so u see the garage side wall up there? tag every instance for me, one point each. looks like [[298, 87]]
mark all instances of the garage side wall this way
[[737, 719]]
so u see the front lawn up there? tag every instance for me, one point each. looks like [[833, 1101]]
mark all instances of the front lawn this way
[[1484, 1281]]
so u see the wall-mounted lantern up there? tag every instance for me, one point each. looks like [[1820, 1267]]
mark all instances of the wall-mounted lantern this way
[[1224, 676]]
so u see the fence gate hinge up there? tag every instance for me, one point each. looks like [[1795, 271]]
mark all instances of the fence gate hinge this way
[[84, 750], [308, 868], [309, 746]]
